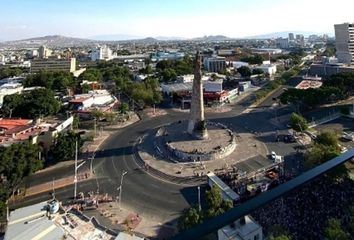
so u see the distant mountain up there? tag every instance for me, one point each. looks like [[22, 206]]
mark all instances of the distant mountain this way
[[212, 38], [115, 37], [51, 41], [284, 34], [163, 38]]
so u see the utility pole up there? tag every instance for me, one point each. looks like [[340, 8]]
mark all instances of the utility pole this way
[[53, 189], [199, 206], [94, 126], [121, 188], [75, 177], [76, 168]]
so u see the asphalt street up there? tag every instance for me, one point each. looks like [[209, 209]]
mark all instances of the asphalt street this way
[[146, 194]]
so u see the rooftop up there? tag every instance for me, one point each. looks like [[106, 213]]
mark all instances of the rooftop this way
[[241, 230], [7, 123], [31, 223]]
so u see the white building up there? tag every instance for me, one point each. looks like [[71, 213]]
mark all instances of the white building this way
[[345, 42], [282, 43], [2, 59], [101, 53], [238, 64], [214, 64], [93, 99], [243, 229], [44, 52], [213, 86], [271, 69]]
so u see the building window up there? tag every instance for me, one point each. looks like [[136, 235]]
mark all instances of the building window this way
[[256, 237]]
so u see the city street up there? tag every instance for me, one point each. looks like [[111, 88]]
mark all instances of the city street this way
[[146, 194]]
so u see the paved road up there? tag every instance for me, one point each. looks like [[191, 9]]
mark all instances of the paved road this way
[[146, 194]]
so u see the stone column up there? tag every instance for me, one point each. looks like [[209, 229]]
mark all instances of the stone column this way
[[196, 124]]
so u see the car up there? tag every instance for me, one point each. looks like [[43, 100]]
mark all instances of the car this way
[[273, 155]]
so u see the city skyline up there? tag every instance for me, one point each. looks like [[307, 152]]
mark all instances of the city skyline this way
[[148, 18]]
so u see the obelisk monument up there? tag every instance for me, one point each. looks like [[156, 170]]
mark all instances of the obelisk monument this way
[[196, 124]]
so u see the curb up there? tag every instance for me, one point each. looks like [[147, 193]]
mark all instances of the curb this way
[[183, 181]]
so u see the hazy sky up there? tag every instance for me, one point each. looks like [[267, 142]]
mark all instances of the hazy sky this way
[[183, 18]]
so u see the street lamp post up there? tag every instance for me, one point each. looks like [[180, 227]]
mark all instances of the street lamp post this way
[[199, 206], [121, 188], [76, 168], [91, 160]]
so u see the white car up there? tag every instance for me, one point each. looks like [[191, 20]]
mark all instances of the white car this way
[[273, 155]]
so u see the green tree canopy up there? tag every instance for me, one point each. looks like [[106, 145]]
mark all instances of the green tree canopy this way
[[329, 139], [276, 232], [57, 80], [334, 231], [298, 122], [189, 218], [244, 71], [253, 59], [91, 74], [123, 108], [64, 147], [32, 104], [6, 72], [216, 205]]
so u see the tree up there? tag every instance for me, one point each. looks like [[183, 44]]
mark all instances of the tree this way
[[276, 232], [97, 114], [85, 88], [216, 205], [328, 139], [92, 75], [57, 81], [190, 217], [64, 147], [257, 71], [319, 154], [334, 231], [11, 72], [255, 59], [298, 122], [123, 108], [330, 50], [244, 71], [110, 117], [32, 104], [18, 160]]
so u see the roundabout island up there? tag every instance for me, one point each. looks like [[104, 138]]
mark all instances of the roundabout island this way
[[185, 151]]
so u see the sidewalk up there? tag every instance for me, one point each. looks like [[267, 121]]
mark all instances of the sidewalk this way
[[110, 215], [48, 186]]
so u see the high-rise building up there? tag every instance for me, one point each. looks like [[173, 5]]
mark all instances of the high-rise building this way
[[67, 65], [101, 53], [214, 64], [291, 37], [282, 43], [345, 42], [44, 52]]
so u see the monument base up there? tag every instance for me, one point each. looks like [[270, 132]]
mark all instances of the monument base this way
[[213, 143], [198, 130]]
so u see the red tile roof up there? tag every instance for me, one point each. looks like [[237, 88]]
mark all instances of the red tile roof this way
[[10, 123]]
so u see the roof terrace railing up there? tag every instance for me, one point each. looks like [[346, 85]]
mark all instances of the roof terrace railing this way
[[218, 222]]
